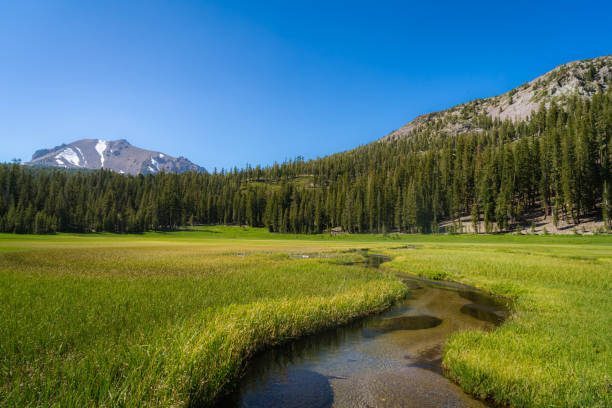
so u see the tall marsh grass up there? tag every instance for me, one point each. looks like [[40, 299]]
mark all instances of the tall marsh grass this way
[[556, 349], [161, 325]]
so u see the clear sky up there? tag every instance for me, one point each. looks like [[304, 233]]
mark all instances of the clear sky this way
[[226, 83]]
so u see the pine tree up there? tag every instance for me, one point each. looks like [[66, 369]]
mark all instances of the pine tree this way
[[606, 205]]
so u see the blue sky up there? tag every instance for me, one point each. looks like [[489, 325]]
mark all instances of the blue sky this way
[[226, 83]]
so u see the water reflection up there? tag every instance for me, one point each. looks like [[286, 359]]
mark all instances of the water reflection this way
[[483, 299], [375, 260], [420, 322], [482, 313], [313, 389]]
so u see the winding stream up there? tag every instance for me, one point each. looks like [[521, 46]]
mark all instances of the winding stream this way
[[388, 360]]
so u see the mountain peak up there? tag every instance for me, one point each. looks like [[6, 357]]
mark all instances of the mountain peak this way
[[580, 78], [117, 155]]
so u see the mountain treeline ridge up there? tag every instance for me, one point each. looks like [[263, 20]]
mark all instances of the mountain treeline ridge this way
[[557, 160]]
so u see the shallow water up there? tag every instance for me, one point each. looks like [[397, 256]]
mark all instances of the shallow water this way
[[388, 360]]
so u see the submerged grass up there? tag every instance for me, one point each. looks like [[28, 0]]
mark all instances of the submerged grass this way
[[167, 319]]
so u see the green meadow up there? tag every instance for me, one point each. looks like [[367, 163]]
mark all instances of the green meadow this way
[[168, 319], [556, 348]]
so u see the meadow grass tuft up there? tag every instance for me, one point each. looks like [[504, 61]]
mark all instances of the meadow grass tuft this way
[[160, 325]]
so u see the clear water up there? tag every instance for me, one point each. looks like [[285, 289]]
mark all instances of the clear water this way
[[388, 360]]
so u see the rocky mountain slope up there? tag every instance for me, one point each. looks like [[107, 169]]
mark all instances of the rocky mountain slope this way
[[581, 78], [116, 155]]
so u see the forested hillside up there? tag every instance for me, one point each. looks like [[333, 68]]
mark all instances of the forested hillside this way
[[557, 160]]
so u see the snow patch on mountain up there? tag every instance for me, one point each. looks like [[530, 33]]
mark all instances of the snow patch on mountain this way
[[69, 156], [82, 155], [100, 148], [155, 163]]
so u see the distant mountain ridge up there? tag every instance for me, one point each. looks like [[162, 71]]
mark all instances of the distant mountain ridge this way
[[116, 155], [577, 78], [537, 159]]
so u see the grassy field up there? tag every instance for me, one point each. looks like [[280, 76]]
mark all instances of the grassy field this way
[[160, 320], [168, 318], [556, 349]]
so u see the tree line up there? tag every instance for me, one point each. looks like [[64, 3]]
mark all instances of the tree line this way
[[557, 161]]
